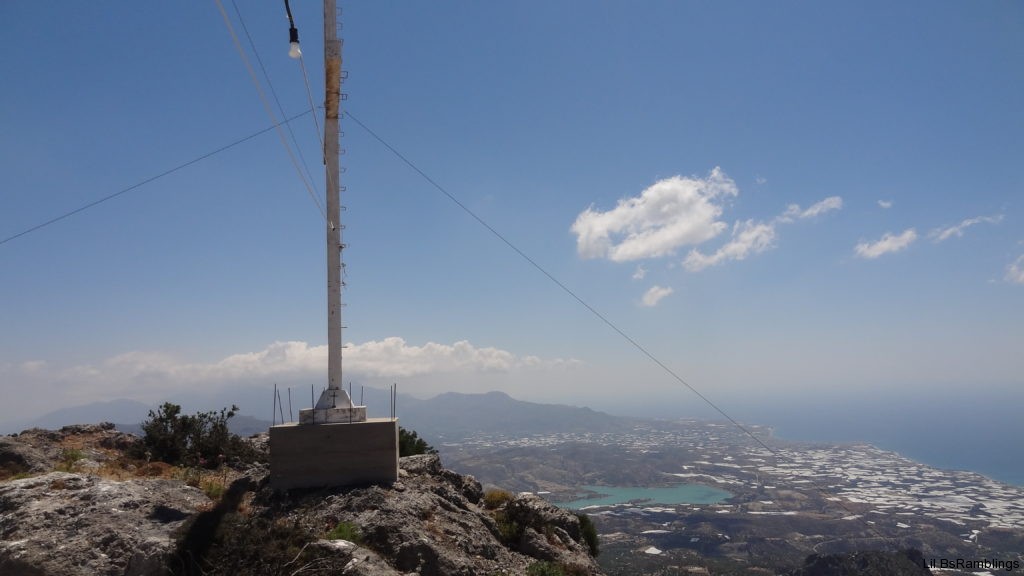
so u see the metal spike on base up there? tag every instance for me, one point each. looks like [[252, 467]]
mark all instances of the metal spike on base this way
[[334, 407]]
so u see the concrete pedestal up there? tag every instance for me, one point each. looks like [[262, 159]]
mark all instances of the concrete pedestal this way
[[342, 454], [346, 415]]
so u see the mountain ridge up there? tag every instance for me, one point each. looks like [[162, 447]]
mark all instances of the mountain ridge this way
[[447, 417]]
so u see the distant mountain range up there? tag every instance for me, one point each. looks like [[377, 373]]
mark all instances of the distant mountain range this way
[[121, 410], [452, 417], [449, 417], [127, 414]]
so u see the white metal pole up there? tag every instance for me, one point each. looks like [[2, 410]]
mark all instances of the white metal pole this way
[[332, 75]]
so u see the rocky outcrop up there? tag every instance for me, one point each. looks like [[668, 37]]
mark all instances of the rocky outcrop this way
[[36, 450], [431, 522], [544, 530], [21, 458], [77, 524]]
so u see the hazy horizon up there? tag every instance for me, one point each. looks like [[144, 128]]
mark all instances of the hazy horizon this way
[[961, 432]]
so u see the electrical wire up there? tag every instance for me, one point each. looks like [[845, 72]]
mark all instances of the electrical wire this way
[[266, 76], [148, 180], [650, 356], [331, 184], [309, 98], [555, 280], [267, 108], [294, 33]]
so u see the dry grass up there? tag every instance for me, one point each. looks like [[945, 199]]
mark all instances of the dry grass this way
[[74, 450]]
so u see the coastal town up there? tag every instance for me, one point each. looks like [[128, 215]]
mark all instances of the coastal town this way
[[788, 499]]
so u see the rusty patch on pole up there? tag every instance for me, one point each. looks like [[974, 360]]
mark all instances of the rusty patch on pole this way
[[332, 68]]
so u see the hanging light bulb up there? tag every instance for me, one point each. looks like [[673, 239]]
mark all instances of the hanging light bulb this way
[[294, 50]]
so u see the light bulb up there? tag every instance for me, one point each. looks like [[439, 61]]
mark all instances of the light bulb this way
[[294, 51]]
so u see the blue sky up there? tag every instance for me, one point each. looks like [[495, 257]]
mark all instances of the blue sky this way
[[783, 201]]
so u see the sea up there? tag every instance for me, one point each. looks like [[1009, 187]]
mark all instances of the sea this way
[[976, 432]]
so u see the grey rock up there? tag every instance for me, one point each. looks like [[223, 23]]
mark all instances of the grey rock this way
[[548, 532], [422, 464], [73, 524], [86, 428], [17, 457], [36, 450], [430, 523], [535, 512]]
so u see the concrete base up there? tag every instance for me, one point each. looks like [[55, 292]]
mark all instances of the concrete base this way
[[334, 406], [322, 455], [332, 415]]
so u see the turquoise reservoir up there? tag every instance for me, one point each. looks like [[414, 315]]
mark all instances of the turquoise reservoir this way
[[679, 494]]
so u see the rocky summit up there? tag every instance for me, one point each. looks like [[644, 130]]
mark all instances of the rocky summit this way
[[64, 523], [73, 503], [433, 522]]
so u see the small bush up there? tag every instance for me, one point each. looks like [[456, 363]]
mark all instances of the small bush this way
[[410, 444], [68, 458], [213, 489], [589, 533], [154, 470], [346, 531], [496, 498], [510, 532], [190, 476], [198, 440]]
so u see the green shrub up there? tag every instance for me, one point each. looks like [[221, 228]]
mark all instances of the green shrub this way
[[190, 476], [410, 444], [589, 533], [346, 531], [496, 498], [509, 531], [213, 489], [68, 458], [199, 440]]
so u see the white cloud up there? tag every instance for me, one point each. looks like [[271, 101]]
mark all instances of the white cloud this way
[[32, 366], [826, 205], [941, 234], [677, 212], [888, 243], [654, 295], [671, 213], [1015, 271], [393, 357], [747, 238], [152, 373], [885, 204], [760, 180], [752, 237]]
